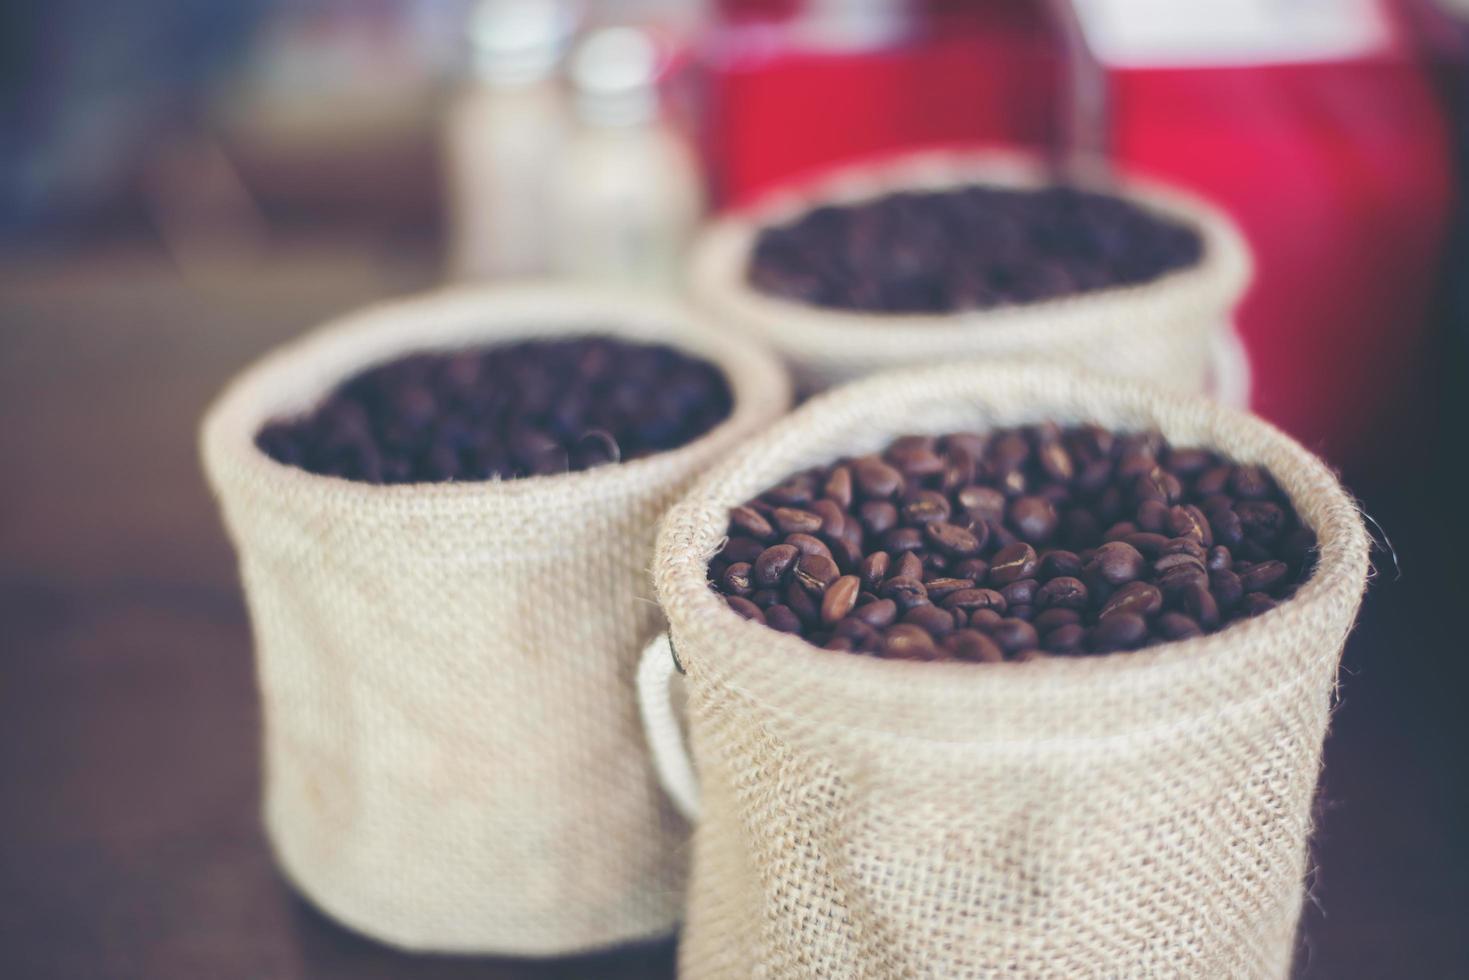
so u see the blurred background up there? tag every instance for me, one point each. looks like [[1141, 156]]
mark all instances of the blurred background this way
[[184, 184]]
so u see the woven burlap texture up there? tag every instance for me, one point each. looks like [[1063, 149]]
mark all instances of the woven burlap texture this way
[[1136, 815], [1159, 331], [453, 759]]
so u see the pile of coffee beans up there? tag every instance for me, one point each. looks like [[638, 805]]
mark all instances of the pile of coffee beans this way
[[1014, 544], [969, 248], [527, 409]]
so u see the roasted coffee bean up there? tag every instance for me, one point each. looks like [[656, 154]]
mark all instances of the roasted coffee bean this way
[[932, 534], [1055, 564], [1019, 593], [962, 248], [878, 614], [1014, 635], [973, 600], [782, 618], [874, 569], [738, 549], [939, 588], [1018, 561], [904, 641], [906, 592], [773, 564], [1115, 563], [938, 622], [1065, 592], [1177, 626], [1064, 639], [909, 566], [876, 480], [1055, 617], [839, 644], [1123, 631], [1034, 519], [808, 545], [737, 579], [1250, 483], [1264, 576], [878, 516], [974, 646], [748, 521], [745, 608], [815, 573], [955, 540], [1137, 598]]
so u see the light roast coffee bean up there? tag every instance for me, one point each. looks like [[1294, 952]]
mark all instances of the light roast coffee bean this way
[[532, 408], [1014, 544]]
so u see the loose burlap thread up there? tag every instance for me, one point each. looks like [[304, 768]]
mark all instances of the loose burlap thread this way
[[1136, 815], [452, 754], [1159, 331]]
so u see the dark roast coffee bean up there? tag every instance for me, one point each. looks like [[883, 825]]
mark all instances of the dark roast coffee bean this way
[[840, 598], [1011, 564], [1250, 483], [533, 408], [782, 618], [1123, 631], [1065, 592], [772, 565], [737, 579], [1115, 563], [745, 608], [971, 535], [904, 641]]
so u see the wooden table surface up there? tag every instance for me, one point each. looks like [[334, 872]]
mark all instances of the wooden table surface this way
[[130, 844]]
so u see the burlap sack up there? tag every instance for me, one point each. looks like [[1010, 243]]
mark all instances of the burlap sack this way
[[1161, 331], [1136, 815], [453, 759]]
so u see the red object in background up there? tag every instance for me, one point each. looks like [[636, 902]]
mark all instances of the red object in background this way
[[1338, 171]]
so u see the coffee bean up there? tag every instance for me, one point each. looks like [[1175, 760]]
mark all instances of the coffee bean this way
[[1264, 576], [782, 618], [1065, 592], [1177, 626], [909, 566], [955, 540], [840, 598], [973, 600], [750, 522], [737, 579], [1123, 631], [974, 646], [1019, 593], [904, 641], [814, 573], [1250, 483], [1014, 635], [1034, 519], [1056, 564], [745, 608], [876, 480], [903, 549], [1115, 563], [906, 592], [1064, 639], [807, 545], [1136, 598], [877, 614], [772, 565], [874, 569], [939, 588], [1011, 564]]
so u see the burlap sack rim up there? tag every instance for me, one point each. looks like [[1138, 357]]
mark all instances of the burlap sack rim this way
[[721, 257], [291, 378], [937, 702]]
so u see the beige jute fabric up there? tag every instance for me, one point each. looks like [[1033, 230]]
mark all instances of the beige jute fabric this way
[[1136, 815], [453, 759], [1159, 331]]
